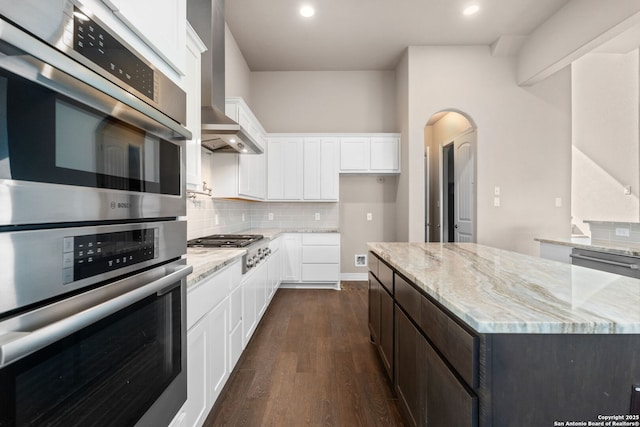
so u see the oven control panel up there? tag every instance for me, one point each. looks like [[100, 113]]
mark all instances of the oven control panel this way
[[94, 254]]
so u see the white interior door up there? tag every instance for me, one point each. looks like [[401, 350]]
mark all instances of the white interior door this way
[[465, 197]]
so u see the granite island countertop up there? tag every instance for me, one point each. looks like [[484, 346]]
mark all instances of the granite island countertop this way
[[498, 291]]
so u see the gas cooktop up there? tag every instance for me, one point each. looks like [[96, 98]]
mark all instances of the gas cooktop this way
[[225, 241]]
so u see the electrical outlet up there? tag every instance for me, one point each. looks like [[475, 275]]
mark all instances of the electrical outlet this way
[[361, 260], [242, 217], [317, 216], [496, 191], [496, 202], [558, 202], [627, 190], [270, 216], [217, 219], [369, 216], [622, 232]]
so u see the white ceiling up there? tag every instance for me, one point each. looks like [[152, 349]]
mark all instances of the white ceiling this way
[[369, 34]]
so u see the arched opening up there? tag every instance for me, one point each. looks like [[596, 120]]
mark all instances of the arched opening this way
[[450, 177]]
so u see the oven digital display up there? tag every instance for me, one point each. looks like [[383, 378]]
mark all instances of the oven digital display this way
[[100, 253], [97, 45]]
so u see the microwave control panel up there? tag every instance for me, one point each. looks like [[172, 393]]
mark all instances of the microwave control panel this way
[[96, 44], [91, 255]]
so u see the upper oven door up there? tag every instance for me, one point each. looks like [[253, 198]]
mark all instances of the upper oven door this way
[[76, 147]]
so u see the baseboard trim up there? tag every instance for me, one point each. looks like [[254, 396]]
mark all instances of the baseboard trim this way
[[355, 277], [330, 285]]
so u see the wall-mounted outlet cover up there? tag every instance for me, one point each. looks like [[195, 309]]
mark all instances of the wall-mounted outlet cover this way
[[243, 217], [622, 232], [270, 216], [317, 216], [217, 219], [369, 216], [627, 190], [496, 202], [361, 260], [558, 202]]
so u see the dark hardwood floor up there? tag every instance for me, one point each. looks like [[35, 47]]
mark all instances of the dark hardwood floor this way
[[310, 363]]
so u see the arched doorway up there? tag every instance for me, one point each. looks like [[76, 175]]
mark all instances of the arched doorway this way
[[450, 177]]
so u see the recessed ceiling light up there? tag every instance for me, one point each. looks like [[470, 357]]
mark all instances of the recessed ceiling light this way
[[471, 10], [232, 140], [307, 11]]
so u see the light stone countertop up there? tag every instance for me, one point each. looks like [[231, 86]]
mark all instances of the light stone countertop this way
[[617, 248], [497, 291], [207, 261]]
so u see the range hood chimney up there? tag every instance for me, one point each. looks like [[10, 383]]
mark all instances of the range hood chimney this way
[[219, 132]]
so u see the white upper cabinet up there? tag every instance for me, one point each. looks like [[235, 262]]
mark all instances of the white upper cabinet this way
[[370, 154], [385, 154], [354, 154], [195, 47], [161, 24], [321, 179], [284, 168]]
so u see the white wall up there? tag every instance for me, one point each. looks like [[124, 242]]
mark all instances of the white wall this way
[[606, 155], [324, 101], [524, 142]]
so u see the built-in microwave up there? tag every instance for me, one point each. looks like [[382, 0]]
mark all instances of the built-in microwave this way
[[88, 128]]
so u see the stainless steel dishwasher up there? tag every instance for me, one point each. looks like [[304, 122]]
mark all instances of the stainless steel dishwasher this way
[[603, 261]]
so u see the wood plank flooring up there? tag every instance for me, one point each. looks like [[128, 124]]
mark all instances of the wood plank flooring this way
[[310, 363]]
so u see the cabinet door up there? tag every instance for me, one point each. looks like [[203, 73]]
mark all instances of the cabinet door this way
[[448, 402], [312, 169], [354, 154], [251, 175], [275, 164], [321, 169], [218, 325], [274, 273], [410, 369], [291, 258], [164, 29], [192, 88], [249, 314], [198, 347], [386, 331], [374, 308], [292, 169], [385, 154], [329, 169]]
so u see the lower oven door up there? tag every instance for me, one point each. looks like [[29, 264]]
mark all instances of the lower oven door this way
[[113, 356]]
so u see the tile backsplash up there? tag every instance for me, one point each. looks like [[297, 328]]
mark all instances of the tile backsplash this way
[[219, 216], [610, 231]]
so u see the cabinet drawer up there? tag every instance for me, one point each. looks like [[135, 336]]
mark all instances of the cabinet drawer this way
[[385, 275], [206, 295], [320, 239], [408, 297], [320, 272], [457, 345], [274, 244], [320, 254]]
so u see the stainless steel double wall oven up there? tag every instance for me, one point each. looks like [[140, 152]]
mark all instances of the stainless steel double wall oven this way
[[92, 191]]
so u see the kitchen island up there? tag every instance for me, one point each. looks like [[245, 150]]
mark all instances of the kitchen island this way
[[473, 335]]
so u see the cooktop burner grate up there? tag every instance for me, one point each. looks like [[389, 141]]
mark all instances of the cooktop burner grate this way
[[225, 241]]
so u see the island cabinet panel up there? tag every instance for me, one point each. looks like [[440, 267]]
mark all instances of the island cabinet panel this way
[[536, 379], [410, 369], [381, 324]]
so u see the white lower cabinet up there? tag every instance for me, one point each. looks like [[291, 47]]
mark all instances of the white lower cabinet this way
[[209, 342], [311, 259]]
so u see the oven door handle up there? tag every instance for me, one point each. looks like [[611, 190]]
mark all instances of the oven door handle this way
[[16, 345]]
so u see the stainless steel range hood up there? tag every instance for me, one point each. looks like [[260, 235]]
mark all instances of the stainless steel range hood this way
[[219, 132]]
